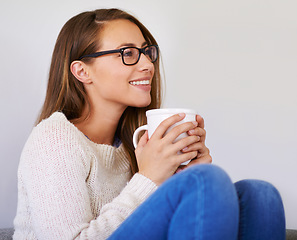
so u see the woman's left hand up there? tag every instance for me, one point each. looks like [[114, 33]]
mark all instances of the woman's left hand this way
[[203, 152]]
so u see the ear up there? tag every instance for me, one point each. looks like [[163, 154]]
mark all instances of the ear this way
[[80, 71]]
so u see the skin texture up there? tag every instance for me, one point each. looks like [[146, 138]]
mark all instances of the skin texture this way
[[107, 83], [158, 158]]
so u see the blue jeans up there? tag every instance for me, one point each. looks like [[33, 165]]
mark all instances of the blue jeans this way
[[202, 203]]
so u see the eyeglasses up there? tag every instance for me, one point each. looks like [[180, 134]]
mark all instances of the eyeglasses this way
[[130, 55]]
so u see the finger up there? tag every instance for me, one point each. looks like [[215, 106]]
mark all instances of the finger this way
[[205, 159], [167, 123], [179, 129], [197, 146], [181, 158], [203, 151], [198, 132], [200, 121], [143, 140], [185, 143]]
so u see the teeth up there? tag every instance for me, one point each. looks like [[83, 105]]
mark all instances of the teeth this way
[[144, 82]]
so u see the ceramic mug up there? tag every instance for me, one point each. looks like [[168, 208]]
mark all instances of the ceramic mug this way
[[156, 116]]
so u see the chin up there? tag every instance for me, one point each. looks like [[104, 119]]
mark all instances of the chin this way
[[142, 104]]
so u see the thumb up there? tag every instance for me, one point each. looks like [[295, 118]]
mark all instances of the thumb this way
[[143, 140]]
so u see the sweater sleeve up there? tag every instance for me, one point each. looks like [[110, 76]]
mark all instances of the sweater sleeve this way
[[114, 213], [54, 170]]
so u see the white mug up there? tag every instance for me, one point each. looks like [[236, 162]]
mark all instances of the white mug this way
[[156, 116]]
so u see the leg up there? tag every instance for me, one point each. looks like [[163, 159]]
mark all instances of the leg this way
[[261, 211], [198, 203]]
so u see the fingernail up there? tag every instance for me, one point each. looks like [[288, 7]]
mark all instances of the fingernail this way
[[185, 149], [182, 114], [192, 131], [195, 123]]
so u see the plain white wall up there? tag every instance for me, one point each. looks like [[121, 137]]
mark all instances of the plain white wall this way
[[233, 61]]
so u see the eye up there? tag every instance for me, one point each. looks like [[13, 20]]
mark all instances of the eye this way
[[148, 51], [128, 52]]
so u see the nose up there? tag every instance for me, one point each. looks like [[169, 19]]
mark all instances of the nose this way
[[145, 63]]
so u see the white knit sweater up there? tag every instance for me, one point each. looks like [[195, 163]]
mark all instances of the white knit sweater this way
[[72, 188]]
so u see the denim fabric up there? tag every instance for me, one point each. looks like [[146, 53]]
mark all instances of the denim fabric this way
[[202, 203], [261, 211]]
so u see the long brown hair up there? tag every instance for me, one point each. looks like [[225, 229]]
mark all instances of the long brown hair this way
[[81, 36]]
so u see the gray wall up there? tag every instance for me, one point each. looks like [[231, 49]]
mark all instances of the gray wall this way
[[233, 61]]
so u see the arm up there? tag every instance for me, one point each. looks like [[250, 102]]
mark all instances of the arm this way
[[54, 169]]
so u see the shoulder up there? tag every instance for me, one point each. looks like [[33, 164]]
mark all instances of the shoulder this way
[[56, 128], [57, 121], [53, 141]]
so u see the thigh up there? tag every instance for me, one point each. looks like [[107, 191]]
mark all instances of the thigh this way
[[198, 202]]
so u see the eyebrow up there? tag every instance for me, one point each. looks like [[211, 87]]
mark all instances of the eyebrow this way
[[131, 45]]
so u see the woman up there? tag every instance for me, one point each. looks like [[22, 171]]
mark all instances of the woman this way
[[79, 175]]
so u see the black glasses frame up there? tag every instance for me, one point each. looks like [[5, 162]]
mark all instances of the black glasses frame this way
[[121, 50]]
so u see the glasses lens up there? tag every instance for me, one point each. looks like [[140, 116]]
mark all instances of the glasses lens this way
[[130, 56], [152, 53]]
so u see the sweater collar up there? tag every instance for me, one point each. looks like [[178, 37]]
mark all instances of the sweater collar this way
[[113, 157]]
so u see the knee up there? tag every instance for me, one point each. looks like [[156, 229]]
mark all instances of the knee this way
[[215, 188], [258, 190], [208, 171], [261, 200], [209, 175]]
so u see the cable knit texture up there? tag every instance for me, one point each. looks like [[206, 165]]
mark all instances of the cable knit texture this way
[[72, 188]]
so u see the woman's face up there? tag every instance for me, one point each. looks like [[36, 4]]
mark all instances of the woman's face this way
[[114, 83]]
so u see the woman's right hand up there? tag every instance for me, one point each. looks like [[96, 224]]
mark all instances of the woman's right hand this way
[[158, 157]]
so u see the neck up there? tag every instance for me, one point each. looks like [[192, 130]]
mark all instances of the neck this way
[[101, 125]]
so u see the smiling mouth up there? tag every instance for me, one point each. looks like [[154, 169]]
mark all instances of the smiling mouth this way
[[142, 82]]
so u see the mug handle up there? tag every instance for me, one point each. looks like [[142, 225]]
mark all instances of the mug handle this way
[[136, 134]]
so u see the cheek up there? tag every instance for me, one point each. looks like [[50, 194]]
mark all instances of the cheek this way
[[113, 82], [112, 74]]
